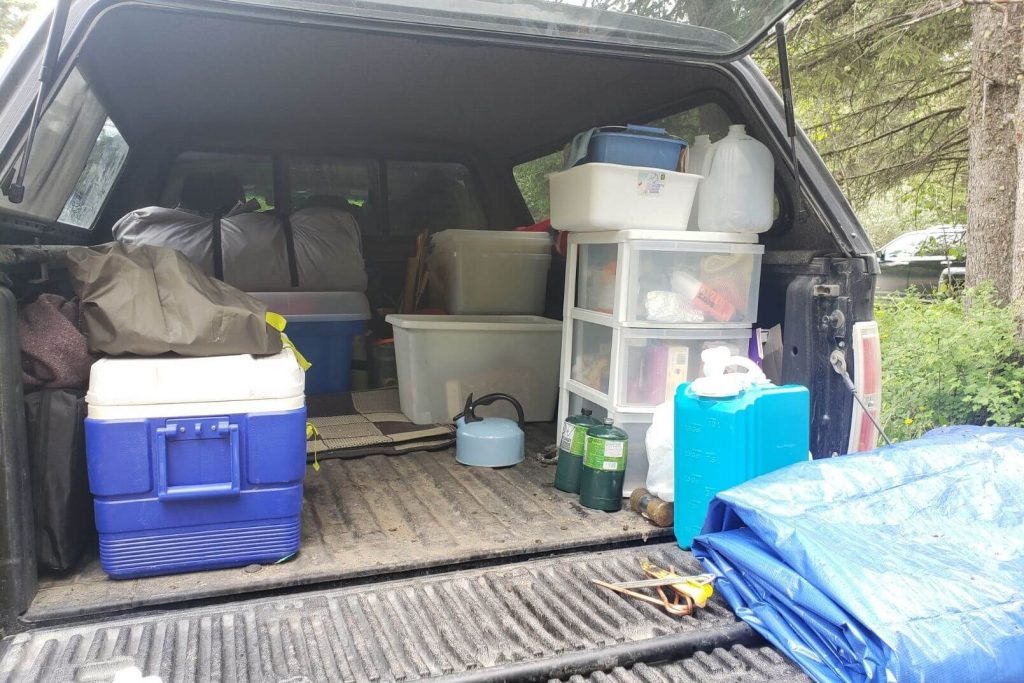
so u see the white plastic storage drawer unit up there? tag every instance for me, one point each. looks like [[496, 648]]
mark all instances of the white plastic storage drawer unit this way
[[442, 359], [490, 272], [646, 278], [597, 196]]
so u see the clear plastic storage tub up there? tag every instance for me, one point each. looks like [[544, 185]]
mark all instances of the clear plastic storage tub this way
[[490, 272], [614, 197], [670, 282], [442, 359], [323, 327]]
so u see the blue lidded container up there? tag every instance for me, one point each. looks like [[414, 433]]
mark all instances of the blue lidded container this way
[[633, 145], [323, 326], [728, 430]]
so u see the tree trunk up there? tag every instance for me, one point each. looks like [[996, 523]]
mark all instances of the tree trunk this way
[[992, 176], [1017, 285]]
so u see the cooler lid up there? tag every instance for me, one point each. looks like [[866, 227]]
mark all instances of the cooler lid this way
[[132, 381], [504, 241], [316, 306]]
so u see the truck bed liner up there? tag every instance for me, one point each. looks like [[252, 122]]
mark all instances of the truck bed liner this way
[[471, 621], [382, 515], [737, 664]]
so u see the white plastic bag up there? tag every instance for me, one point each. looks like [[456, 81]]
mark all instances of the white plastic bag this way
[[661, 452]]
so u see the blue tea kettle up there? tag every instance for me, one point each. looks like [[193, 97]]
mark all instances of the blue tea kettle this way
[[489, 441]]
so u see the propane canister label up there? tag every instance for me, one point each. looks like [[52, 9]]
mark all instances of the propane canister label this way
[[574, 438], [604, 455]]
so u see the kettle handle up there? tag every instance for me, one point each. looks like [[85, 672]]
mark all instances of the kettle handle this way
[[469, 412]]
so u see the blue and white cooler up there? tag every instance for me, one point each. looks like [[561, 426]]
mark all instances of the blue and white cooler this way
[[195, 463]]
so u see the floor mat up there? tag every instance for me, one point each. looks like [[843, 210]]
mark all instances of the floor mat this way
[[379, 515], [359, 423]]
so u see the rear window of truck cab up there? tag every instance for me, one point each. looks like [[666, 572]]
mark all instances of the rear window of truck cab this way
[[420, 195]]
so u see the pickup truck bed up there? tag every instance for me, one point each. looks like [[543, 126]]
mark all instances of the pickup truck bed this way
[[526, 620], [379, 516]]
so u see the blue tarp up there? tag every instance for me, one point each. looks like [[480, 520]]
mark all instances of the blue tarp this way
[[903, 564]]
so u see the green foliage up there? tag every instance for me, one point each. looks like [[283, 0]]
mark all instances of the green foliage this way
[[13, 14], [532, 178], [889, 214], [953, 360], [881, 90]]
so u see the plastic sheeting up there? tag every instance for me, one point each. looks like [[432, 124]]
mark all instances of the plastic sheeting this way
[[904, 564], [328, 247]]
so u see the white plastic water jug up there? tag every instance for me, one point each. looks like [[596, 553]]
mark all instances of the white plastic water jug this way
[[737, 193], [695, 156]]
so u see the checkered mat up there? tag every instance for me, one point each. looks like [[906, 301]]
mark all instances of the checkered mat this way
[[359, 423]]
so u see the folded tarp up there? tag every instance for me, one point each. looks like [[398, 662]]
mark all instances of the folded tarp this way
[[904, 564]]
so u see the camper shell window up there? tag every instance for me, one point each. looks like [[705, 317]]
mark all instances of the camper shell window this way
[[77, 156]]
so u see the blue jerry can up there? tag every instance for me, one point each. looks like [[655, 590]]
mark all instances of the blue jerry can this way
[[729, 428]]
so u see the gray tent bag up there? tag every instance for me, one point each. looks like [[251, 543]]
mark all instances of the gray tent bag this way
[[147, 301]]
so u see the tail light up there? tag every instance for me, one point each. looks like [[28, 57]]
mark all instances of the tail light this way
[[867, 380]]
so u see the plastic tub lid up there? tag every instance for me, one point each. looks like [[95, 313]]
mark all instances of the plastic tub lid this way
[[132, 381], [475, 323], [316, 306], [509, 241]]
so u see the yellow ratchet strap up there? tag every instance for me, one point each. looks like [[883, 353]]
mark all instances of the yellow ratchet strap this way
[[279, 323], [313, 434]]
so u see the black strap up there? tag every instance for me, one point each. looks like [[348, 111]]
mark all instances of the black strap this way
[[218, 250], [289, 241]]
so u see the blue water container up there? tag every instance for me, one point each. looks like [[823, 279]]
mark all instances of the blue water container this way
[[633, 145], [195, 463], [721, 442], [323, 326]]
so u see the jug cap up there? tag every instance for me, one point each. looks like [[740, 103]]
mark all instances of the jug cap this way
[[718, 383]]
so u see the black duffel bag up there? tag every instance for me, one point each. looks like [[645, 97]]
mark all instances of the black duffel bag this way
[[60, 483]]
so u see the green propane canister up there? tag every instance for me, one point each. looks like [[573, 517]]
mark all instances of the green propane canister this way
[[570, 450], [604, 467]]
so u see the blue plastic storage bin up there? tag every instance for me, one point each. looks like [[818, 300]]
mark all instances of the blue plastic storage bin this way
[[327, 344], [723, 442], [323, 326], [185, 485], [635, 146]]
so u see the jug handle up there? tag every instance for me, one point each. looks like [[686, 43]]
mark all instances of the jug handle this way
[[469, 412], [709, 156]]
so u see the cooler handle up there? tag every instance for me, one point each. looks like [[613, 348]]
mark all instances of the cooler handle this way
[[203, 429]]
